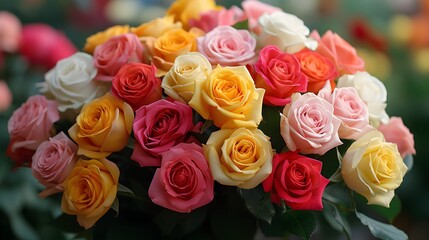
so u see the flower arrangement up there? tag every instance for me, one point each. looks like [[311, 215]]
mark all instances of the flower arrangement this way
[[210, 116]]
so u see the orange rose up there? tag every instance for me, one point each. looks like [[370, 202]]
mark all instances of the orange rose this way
[[185, 10], [157, 27]]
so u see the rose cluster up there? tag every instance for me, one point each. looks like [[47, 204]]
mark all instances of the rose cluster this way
[[158, 87]]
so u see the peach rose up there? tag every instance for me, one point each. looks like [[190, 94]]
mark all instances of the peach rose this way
[[101, 37], [156, 27], [5, 96], [185, 10], [10, 32]]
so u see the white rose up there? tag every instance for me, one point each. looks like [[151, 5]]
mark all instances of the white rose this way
[[71, 83], [178, 83], [372, 91], [286, 31]]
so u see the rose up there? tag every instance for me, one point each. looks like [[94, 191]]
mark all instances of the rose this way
[[110, 56], [156, 27], [239, 157], [228, 97], [228, 46], [101, 37], [373, 168], [89, 190], [52, 163], [47, 47], [344, 56], [255, 9], [102, 127], [308, 125], [179, 82], [396, 132], [280, 75], [213, 18], [373, 93], [185, 10], [183, 182], [71, 83], [136, 84], [10, 32], [158, 127], [5, 96], [29, 126], [297, 180], [285, 31], [168, 46], [350, 109], [317, 68]]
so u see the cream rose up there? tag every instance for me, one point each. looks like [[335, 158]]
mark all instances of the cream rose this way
[[373, 168], [239, 157], [179, 82]]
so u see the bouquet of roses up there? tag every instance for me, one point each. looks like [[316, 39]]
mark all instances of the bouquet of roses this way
[[210, 116]]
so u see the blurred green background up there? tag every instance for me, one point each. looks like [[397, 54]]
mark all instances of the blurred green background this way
[[385, 32]]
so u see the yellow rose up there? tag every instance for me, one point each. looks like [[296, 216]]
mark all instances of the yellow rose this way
[[89, 190], [229, 97], [178, 83], [168, 46], [99, 38], [373, 168], [156, 27], [185, 10], [102, 127], [239, 157]]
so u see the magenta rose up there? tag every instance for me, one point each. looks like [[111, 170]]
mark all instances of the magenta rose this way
[[280, 74], [184, 181], [396, 132], [308, 125], [228, 46], [297, 180], [53, 161], [110, 56], [29, 126], [213, 18], [158, 127], [136, 84]]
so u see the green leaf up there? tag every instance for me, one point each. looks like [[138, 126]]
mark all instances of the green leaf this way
[[179, 224], [207, 124], [68, 223], [270, 125], [241, 25], [381, 230], [124, 191], [337, 177], [258, 203], [115, 206], [389, 213], [334, 217]]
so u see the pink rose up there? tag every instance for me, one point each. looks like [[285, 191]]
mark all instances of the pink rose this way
[[184, 182], [350, 109], [53, 161], [110, 56], [213, 18], [308, 125], [5, 96], [253, 10], [227, 46], [136, 84], [43, 45], [280, 75], [297, 180], [396, 132], [29, 126], [10, 32], [344, 55], [158, 127]]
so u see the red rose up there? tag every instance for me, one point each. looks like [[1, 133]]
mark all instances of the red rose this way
[[280, 75], [297, 180], [136, 84]]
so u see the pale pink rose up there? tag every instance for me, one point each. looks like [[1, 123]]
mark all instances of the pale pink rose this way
[[110, 56], [29, 126], [253, 9], [184, 181], [213, 18], [396, 132], [344, 55], [5, 96], [10, 32], [350, 109], [53, 161], [308, 125], [228, 46], [44, 46]]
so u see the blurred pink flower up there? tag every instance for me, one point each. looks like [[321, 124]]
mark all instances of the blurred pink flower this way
[[396, 132], [10, 32], [5, 96], [213, 18], [254, 9]]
